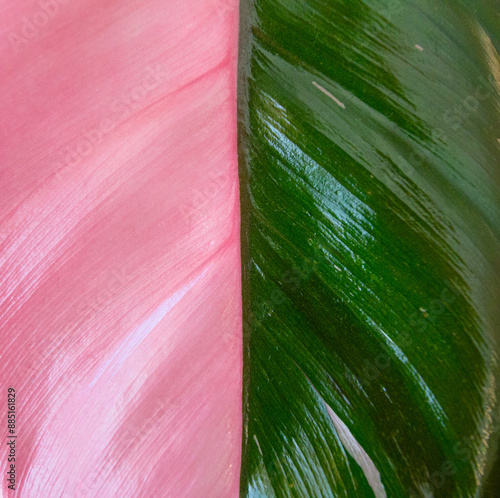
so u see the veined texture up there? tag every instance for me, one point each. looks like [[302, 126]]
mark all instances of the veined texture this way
[[371, 217], [120, 303]]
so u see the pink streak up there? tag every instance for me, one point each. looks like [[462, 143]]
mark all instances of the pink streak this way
[[120, 297]]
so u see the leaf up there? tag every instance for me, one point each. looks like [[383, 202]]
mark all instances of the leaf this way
[[371, 224], [120, 288]]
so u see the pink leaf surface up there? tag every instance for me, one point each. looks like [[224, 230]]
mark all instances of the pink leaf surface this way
[[120, 295]]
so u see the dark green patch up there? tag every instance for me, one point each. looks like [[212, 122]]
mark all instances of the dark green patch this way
[[370, 244]]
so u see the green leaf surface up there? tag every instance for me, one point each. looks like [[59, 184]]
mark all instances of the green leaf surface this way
[[370, 183]]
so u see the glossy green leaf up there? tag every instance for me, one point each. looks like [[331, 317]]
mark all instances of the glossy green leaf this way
[[369, 156]]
